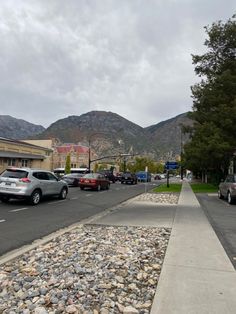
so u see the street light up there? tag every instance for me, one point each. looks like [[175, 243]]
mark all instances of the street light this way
[[89, 142]]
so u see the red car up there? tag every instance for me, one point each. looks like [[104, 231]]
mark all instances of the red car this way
[[94, 181]]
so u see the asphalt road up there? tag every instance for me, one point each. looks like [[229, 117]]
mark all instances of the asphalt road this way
[[222, 217], [21, 224]]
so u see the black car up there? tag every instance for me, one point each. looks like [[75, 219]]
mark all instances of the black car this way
[[108, 175], [129, 177], [72, 179]]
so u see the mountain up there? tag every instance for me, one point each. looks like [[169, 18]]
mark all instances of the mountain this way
[[167, 136], [106, 132], [18, 129]]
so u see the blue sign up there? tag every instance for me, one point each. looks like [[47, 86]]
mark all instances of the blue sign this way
[[171, 165]]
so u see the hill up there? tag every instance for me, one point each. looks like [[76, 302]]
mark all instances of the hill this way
[[107, 132], [18, 129]]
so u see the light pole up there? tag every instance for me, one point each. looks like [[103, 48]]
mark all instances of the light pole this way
[[89, 151]]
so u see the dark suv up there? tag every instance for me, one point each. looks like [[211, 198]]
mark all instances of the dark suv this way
[[129, 177], [109, 175]]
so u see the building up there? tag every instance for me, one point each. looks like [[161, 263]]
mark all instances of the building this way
[[79, 155], [22, 154]]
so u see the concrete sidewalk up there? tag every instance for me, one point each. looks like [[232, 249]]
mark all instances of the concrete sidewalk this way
[[197, 276]]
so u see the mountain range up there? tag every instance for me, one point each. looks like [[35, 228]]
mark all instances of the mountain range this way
[[106, 132]]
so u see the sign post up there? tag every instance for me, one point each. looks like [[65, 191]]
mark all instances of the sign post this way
[[170, 165]]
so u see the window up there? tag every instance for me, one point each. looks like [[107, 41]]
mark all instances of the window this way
[[51, 177], [24, 163], [11, 162]]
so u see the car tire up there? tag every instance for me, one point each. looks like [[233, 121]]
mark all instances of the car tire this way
[[108, 187], [35, 197], [5, 199], [63, 193], [229, 198], [82, 188], [220, 196]]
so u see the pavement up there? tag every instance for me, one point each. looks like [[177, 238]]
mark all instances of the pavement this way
[[197, 276]]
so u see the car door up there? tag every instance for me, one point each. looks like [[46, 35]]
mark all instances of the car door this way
[[226, 186], [43, 182], [53, 183]]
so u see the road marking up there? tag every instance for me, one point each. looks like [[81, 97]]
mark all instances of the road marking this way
[[18, 209], [74, 198], [2, 220], [88, 194], [56, 202]]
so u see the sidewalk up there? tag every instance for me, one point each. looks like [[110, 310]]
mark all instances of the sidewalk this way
[[197, 277]]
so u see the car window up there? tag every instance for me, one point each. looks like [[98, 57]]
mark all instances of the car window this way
[[18, 174], [229, 178], [51, 177], [41, 175]]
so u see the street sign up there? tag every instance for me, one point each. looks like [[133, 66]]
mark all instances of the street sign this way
[[171, 165]]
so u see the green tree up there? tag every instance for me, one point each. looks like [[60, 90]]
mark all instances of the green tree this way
[[68, 164], [212, 142]]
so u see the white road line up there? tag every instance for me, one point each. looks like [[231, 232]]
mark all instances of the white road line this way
[[74, 198], [56, 202], [2, 220], [88, 194], [18, 209]]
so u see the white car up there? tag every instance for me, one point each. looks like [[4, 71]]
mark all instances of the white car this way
[[31, 184]]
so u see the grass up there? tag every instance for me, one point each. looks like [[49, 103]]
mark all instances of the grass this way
[[204, 188], [173, 187]]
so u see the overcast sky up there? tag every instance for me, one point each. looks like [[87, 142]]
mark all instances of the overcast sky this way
[[130, 57]]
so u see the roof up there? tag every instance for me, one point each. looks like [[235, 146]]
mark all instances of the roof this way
[[18, 142], [9, 154], [66, 149]]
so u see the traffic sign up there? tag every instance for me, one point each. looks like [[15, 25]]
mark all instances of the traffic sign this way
[[171, 165]]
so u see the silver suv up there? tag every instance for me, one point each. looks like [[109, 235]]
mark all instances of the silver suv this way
[[30, 184], [227, 189]]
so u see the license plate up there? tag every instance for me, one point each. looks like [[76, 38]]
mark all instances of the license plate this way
[[86, 181]]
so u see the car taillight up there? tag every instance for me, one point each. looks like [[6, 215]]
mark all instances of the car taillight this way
[[25, 180], [93, 181]]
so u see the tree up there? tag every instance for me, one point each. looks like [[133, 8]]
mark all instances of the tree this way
[[212, 144], [68, 164]]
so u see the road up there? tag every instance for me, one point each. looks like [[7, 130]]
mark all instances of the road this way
[[222, 217], [21, 224]]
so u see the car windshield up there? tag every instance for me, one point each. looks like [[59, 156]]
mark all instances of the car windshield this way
[[12, 173]]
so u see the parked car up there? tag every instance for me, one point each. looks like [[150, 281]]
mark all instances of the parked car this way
[[30, 184], [72, 179], [94, 181], [118, 176], [227, 189], [108, 174], [129, 177], [143, 176]]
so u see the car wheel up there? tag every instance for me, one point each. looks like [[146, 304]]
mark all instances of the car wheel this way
[[5, 199], [108, 187], [99, 187], [229, 198], [220, 195], [35, 197], [63, 193], [82, 188]]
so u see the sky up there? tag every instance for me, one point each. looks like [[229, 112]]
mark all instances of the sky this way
[[131, 57]]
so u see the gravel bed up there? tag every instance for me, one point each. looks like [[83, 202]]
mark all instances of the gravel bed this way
[[162, 198], [91, 270]]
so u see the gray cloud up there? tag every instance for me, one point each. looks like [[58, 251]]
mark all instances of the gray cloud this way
[[61, 58]]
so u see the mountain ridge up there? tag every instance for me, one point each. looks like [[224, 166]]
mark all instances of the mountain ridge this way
[[106, 132]]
